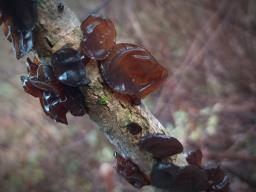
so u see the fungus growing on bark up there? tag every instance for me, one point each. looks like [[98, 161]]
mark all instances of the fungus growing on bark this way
[[163, 175], [56, 98], [191, 179], [19, 19], [160, 146], [130, 172], [45, 79], [195, 157], [54, 107], [131, 70], [69, 68], [182, 179], [99, 37], [128, 69], [134, 128], [217, 180]]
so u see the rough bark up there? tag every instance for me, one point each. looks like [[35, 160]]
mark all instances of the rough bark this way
[[55, 30]]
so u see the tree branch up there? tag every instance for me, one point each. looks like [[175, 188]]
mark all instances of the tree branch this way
[[56, 29]]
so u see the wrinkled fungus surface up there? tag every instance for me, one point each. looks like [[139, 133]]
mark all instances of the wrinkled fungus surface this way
[[182, 179], [163, 175], [195, 157], [217, 180], [191, 179], [131, 70], [99, 37], [56, 98], [69, 68], [160, 146], [130, 172]]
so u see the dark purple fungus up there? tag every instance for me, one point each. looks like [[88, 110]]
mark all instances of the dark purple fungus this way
[[217, 180], [19, 18], [69, 68], [54, 107], [171, 177], [29, 87], [195, 157], [163, 175], [22, 42], [56, 98], [160, 146], [130, 172], [191, 179]]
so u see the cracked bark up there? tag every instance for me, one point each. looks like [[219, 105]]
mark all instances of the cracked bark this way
[[56, 29]]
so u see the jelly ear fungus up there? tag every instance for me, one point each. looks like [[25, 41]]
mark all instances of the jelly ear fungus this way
[[69, 67], [99, 37], [160, 146], [217, 180], [130, 172], [19, 19], [195, 157], [132, 71], [181, 179], [56, 96]]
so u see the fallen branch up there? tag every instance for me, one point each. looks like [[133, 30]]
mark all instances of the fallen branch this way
[[56, 30], [58, 27]]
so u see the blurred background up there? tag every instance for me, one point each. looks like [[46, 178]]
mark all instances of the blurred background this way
[[208, 101]]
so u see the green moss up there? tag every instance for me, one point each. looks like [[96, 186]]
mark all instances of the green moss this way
[[103, 100]]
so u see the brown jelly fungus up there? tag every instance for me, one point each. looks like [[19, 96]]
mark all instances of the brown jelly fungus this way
[[171, 177], [22, 42], [160, 146], [190, 179], [23, 13], [195, 157], [56, 98], [163, 175], [130, 172], [99, 36], [131, 70], [29, 87], [19, 19], [54, 107], [217, 180], [32, 66], [222, 186], [69, 68], [134, 128]]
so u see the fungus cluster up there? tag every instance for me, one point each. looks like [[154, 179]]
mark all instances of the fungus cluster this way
[[56, 85], [129, 70], [18, 18], [191, 178]]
